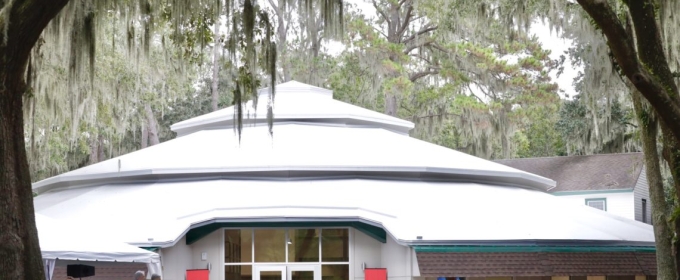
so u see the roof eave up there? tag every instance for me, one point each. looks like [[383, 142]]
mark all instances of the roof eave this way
[[523, 180]]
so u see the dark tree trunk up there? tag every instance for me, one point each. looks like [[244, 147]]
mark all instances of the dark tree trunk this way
[[671, 154], [20, 256], [663, 232], [19, 249], [647, 68]]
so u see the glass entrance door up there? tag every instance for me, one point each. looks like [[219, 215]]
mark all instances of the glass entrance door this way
[[287, 272], [269, 272], [304, 272]]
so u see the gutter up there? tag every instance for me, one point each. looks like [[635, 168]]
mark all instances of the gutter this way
[[522, 180], [532, 249]]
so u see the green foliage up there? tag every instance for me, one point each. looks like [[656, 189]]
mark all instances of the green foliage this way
[[70, 124], [540, 138], [193, 105], [576, 127]]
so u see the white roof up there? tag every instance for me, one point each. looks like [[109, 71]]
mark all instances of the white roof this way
[[296, 101], [70, 240], [439, 212], [316, 149], [356, 164]]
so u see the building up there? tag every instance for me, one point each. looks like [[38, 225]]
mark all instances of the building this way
[[338, 189], [615, 183]]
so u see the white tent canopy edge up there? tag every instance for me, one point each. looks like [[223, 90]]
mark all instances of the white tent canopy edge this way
[[61, 242]]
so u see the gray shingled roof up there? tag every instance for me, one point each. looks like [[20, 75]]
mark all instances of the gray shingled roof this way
[[580, 173]]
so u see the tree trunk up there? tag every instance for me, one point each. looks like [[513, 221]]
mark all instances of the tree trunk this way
[[651, 73], [19, 250], [94, 150], [23, 23], [671, 153], [216, 66], [391, 104], [101, 156], [152, 126], [665, 262], [282, 33], [145, 136]]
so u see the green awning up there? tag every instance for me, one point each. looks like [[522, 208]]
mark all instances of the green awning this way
[[197, 233]]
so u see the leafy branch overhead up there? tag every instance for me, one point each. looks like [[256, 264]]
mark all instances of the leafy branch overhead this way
[[645, 65], [432, 68]]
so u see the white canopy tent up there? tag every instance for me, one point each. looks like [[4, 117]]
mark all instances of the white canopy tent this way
[[59, 241]]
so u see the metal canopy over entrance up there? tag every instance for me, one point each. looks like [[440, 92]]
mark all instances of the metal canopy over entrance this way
[[197, 233]]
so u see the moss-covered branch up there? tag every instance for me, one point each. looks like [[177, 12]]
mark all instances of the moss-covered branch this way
[[621, 43]]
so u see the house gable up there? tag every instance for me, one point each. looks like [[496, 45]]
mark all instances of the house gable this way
[[584, 173], [596, 176]]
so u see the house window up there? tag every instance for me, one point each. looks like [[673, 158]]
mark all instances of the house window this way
[[644, 210], [599, 203]]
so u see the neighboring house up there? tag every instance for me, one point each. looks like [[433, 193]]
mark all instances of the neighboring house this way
[[614, 183]]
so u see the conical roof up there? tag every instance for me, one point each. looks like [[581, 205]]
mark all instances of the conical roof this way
[[326, 161], [314, 136], [296, 102]]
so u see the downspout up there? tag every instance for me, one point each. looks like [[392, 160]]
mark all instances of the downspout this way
[[412, 251]]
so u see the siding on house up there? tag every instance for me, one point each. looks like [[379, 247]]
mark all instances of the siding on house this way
[[618, 203], [641, 191], [595, 176]]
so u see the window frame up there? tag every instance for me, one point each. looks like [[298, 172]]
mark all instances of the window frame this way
[[602, 199], [350, 239], [644, 210]]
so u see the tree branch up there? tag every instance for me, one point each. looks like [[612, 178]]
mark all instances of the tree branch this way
[[379, 31], [440, 48], [425, 29], [629, 123], [437, 115], [407, 20], [25, 22], [623, 48], [276, 8], [417, 45], [421, 57], [381, 12], [472, 92], [415, 76], [649, 44]]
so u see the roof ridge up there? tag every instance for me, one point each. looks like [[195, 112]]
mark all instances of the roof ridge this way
[[573, 156]]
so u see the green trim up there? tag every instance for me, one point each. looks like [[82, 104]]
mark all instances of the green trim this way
[[152, 249], [531, 248], [196, 234], [592, 192], [603, 199]]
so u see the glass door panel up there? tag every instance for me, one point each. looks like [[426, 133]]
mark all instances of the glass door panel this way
[[269, 272], [304, 272]]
